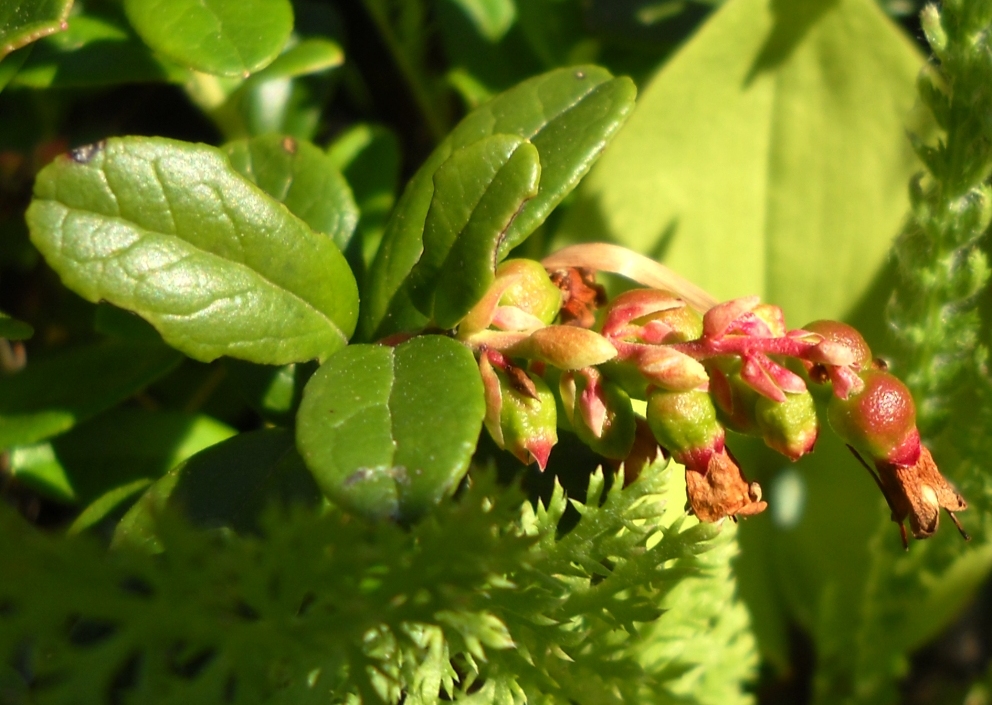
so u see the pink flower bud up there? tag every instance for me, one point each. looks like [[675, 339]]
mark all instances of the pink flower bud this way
[[719, 319], [770, 379], [522, 297], [520, 410], [637, 315], [880, 420], [735, 400], [838, 357], [599, 411]]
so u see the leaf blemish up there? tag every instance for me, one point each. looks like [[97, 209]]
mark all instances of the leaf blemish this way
[[83, 155], [289, 144]]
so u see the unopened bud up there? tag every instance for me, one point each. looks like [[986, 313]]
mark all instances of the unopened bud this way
[[522, 297], [566, 347], [651, 316], [638, 366], [773, 317], [846, 336], [685, 424], [599, 411], [734, 398], [789, 427], [880, 420], [520, 412]]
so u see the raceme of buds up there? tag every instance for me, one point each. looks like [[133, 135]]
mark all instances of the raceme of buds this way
[[599, 412], [520, 410], [701, 367]]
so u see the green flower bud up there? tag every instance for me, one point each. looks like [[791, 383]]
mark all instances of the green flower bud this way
[[880, 420], [565, 347], [735, 399], [789, 427], [532, 292], [600, 412], [685, 424], [520, 412]]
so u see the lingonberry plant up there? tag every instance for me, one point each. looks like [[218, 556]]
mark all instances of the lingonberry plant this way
[[297, 440]]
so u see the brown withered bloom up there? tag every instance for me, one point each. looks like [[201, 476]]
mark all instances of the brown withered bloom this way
[[581, 296], [917, 492], [722, 490]]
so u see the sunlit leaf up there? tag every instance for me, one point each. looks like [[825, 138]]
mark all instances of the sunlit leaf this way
[[26, 21]]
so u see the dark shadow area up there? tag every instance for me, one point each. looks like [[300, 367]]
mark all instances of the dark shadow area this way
[[793, 20]]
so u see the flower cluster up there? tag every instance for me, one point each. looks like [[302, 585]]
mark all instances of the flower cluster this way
[[554, 353]]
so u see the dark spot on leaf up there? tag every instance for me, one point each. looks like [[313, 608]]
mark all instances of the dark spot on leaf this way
[[308, 600], [125, 679], [289, 144], [246, 611], [137, 586], [192, 665], [83, 155], [89, 632], [360, 475]]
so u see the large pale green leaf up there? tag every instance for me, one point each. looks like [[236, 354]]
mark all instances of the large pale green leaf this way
[[50, 396], [299, 174], [25, 21], [769, 156], [569, 115], [478, 191], [227, 485], [98, 48], [172, 232], [225, 37], [388, 432]]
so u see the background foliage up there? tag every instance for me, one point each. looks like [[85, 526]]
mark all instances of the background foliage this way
[[767, 153]]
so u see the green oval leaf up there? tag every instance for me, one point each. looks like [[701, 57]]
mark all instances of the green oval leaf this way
[[569, 115], [224, 37], [170, 231], [25, 21], [227, 485], [389, 431], [478, 191], [299, 174], [13, 329], [51, 395]]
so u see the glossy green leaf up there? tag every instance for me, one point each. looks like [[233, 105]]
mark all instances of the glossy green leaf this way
[[104, 506], [13, 329], [492, 18], [172, 232], [113, 450], [26, 21], [390, 431], [309, 56], [569, 115], [478, 191], [98, 48], [300, 175], [227, 485], [369, 158], [224, 37], [50, 396]]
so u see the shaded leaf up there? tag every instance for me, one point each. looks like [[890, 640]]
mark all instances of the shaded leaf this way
[[478, 191], [492, 18], [170, 231], [98, 48], [26, 21], [12, 63], [300, 175], [224, 37], [274, 392], [369, 158], [568, 115], [13, 329], [390, 431], [51, 395], [227, 485], [113, 450]]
